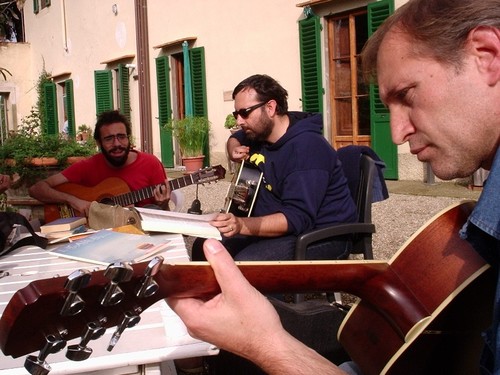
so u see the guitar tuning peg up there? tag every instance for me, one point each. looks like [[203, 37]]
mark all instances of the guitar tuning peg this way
[[81, 352], [148, 286], [75, 281], [38, 365], [117, 273], [129, 320]]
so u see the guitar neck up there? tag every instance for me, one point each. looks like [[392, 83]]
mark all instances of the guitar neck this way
[[374, 282], [132, 197]]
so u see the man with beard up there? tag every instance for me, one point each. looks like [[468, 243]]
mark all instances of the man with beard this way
[[117, 159], [303, 186]]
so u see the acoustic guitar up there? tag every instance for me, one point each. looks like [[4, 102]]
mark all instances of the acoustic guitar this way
[[243, 190], [420, 313], [114, 190]]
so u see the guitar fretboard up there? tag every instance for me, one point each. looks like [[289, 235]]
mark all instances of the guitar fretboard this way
[[135, 196]]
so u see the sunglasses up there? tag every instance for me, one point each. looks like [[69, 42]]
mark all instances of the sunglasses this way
[[245, 112]]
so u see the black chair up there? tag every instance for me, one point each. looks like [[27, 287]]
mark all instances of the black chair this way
[[360, 233]]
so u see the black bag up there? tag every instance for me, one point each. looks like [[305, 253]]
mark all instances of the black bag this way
[[11, 236]]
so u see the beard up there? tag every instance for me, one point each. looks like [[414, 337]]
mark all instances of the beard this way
[[263, 130], [116, 161]]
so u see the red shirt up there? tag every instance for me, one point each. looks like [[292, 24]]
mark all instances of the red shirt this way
[[145, 171]]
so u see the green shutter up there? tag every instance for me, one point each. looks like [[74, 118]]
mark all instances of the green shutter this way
[[381, 140], [124, 89], [310, 64], [47, 3], [70, 107], [103, 81], [198, 81], [50, 108], [164, 110], [36, 6], [199, 88]]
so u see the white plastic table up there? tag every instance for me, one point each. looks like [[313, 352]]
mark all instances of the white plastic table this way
[[147, 348]]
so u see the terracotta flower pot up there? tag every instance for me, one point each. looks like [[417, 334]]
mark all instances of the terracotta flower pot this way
[[193, 164], [75, 159], [43, 161]]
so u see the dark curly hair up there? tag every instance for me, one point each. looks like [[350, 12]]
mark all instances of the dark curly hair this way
[[110, 117], [267, 88]]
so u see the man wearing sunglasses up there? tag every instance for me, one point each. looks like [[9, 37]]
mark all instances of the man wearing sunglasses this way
[[116, 159], [303, 186]]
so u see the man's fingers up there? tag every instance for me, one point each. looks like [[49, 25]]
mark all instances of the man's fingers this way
[[226, 272]]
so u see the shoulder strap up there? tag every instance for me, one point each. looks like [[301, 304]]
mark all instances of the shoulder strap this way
[[34, 239]]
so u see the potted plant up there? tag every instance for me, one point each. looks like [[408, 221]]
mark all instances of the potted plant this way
[[72, 151], [231, 123], [84, 133], [17, 152], [191, 134]]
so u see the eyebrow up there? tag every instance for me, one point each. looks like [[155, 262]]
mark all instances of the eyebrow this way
[[389, 96]]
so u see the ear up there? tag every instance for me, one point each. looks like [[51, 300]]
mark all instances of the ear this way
[[270, 107], [485, 44]]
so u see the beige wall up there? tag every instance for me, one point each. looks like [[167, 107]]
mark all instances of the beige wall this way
[[20, 87], [240, 38]]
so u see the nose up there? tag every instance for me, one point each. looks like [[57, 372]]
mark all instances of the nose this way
[[239, 120], [401, 126]]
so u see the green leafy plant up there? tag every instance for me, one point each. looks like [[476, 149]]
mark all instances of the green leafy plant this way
[[230, 122], [71, 147], [191, 134]]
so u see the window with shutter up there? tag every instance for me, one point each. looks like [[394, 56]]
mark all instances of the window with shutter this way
[[198, 84], [69, 107], [198, 87], [124, 90], [4, 126], [164, 110], [103, 81], [349, 96], [198, 81], [379, 114], [310, 63], [50, 109]]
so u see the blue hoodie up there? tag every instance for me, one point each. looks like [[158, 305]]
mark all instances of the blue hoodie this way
[[302, 177]]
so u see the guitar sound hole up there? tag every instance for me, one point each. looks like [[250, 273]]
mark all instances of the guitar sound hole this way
[[107, 201]]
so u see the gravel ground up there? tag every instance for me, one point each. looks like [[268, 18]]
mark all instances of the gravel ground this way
[[396, 218]]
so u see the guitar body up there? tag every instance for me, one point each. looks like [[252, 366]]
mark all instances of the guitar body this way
[[101, 192], [420, 313], [452, 283], [243, 190]]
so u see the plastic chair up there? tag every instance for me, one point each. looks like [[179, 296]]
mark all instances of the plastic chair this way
[[361, 232]]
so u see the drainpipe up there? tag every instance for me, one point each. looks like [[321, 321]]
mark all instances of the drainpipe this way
[[146, 118]]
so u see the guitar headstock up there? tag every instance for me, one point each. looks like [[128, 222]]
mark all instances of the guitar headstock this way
[[47, 313], [209, 174]]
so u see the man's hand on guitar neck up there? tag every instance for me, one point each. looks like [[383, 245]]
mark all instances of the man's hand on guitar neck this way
[[236, 151], [161, 195], [243, 321]]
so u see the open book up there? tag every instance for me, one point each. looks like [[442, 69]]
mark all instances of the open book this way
[[107, 246], [176, 222]]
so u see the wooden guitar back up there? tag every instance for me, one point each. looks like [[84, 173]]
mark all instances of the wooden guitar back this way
[[453, 283]]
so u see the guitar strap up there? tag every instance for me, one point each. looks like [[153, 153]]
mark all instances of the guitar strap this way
[[10, 236]]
